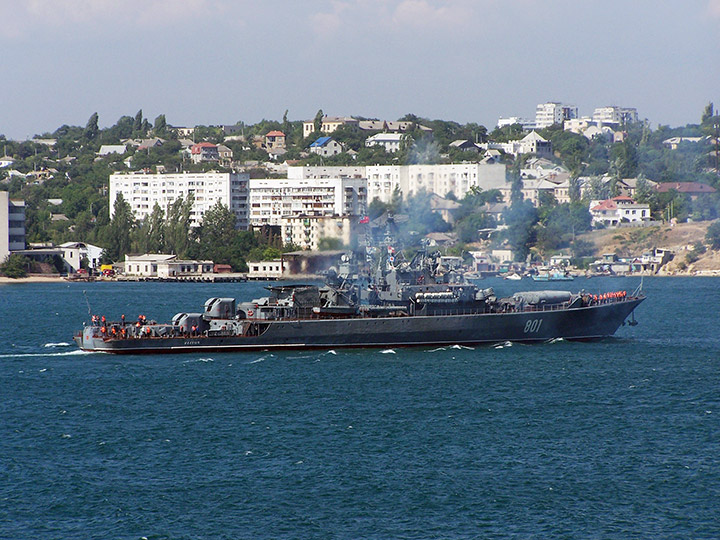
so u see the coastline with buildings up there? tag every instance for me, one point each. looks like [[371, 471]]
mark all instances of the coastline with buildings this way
[[308, 204]]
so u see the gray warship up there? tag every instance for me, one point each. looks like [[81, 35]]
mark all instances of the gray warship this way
[[412, 305]]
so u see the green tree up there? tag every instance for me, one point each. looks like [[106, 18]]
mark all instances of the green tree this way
[[160, 126], [118, 239], [138, 123], [15, 266], [624, 160], [217, 234], [177, 230], [712, 236], [468, 228], [286, 127], [91, 128], [708, 113], [150, 234], [317, 122]]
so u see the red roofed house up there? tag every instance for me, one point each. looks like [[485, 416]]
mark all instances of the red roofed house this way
[[694, 189], [611, 212], [275, 140], [204, 151]]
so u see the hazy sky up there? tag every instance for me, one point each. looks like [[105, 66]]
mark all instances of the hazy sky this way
[[222, 61]]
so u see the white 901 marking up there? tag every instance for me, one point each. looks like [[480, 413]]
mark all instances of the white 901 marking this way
[[532, 326]]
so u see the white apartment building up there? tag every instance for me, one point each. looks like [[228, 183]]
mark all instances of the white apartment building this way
[[307, 231], [311, 171], [441, 179], [390, 141], [615, 115], [273, 198], [141, 191], [547, 114], [12, 225]]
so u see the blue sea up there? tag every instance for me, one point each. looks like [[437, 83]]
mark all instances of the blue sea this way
[[612, 439]]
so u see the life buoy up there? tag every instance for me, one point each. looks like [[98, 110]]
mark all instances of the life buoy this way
[[250, 312]]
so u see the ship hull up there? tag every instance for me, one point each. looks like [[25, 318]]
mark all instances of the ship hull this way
[[582, 323]]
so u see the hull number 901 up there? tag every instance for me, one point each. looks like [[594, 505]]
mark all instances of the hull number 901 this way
[[533, 326]]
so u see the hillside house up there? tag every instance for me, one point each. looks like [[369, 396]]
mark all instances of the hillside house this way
[[326, 146], [612, 212]]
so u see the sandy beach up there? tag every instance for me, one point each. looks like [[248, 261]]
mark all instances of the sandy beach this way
[[33, 279]]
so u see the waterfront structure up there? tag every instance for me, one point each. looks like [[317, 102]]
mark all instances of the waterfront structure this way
[[265, 269], [141, 191], [158, 265], [273, 198], [552, 112], [73, 254], [12, 225]]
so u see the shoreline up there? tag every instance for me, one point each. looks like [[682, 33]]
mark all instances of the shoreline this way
[[60, 279], [33, 279]]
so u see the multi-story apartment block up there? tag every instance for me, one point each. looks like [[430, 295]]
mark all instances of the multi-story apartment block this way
[[384, 180], [615, 115], [547, 114], [273, 198], [12, 225], [142, 191], [307, 231]]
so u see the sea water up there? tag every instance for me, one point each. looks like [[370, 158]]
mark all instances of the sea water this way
[[618, 438]]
